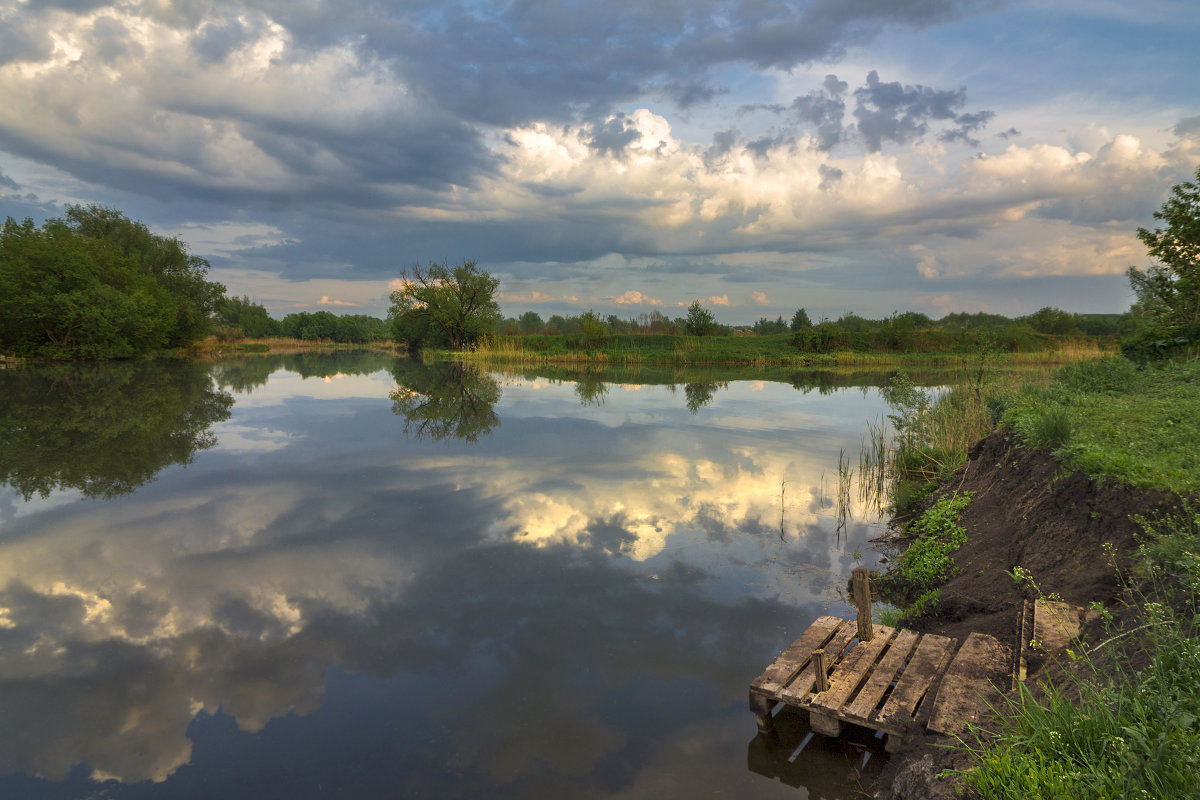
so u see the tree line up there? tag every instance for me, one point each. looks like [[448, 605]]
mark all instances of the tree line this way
[[237, 318], [96, 284]]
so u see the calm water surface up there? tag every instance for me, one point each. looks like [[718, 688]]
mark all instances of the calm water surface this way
[[359, 576]]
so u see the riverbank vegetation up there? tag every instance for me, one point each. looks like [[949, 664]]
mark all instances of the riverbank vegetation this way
[[95, 284]]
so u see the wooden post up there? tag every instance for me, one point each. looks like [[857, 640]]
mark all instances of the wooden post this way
[[860, 582], [818, 659]]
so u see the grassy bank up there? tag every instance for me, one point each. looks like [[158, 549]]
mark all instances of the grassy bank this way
[[1123, 719], [673, 349]]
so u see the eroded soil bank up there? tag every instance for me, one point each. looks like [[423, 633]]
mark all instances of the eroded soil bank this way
[[1066, 529]]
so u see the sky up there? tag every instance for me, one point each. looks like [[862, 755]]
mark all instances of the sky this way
[[865, 156]]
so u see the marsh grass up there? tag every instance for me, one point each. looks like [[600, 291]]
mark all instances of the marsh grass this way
[[764, 351]]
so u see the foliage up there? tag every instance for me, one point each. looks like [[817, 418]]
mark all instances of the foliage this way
[[103, 429], [1111, 419], [766, 327], [530, 322], [443, 399], [699, 321], [594, 331], [928, 561], [450, 306], [247, 316], [325, 326], [1169, 291], [1052, 320], [99, 285], [800, 321]]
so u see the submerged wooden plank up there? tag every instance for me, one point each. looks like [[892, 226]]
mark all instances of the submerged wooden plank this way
[[879, 681], [795, 657], [927, 663], [799, 691], [850, 673], [968, 688]]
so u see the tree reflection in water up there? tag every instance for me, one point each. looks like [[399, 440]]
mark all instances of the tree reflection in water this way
[[440, 400], [104, 429]]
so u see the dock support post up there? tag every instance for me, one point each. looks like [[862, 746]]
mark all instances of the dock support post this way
[[761, 706], [860, 582], [818, 659]]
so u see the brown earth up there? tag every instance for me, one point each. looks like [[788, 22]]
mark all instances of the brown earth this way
[[1025, 511]]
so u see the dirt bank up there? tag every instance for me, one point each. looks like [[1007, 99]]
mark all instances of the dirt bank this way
[[1026, 510]]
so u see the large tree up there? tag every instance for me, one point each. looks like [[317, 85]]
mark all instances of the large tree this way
[[439, 304], [98, 285], [1169, 291]]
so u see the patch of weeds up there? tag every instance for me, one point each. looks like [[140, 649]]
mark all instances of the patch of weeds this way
[[929, 560], [1050, 428]]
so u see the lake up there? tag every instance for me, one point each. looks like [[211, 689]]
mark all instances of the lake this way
[[352, 575]]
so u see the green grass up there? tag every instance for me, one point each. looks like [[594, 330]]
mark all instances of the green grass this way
[[1111, 419], [928, 562]]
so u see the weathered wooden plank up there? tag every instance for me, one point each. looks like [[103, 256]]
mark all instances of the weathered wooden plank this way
[[879, 681], [795, 657], [855, 665], [798, 692], [1024, 635], [1055, 624], [927, 663], [968, 688]]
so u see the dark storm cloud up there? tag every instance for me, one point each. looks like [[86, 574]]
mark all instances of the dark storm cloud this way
[[824, 110], [1188, 126], [8, 182], [901, 114], [829, 176], [612, 136]]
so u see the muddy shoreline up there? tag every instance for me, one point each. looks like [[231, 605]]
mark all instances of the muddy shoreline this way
[[1069, 531]]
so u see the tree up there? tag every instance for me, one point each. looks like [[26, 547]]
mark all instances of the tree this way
[[766, 327], [165, 259], [530, 322], [699, 321], [246, 315], [99, 285], [800, 320], [453, 306], [593, 329], [1169, 291]]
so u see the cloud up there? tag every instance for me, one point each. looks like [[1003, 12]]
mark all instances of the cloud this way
[[633, 297], [326, 301], [534, 297], [759, 298]]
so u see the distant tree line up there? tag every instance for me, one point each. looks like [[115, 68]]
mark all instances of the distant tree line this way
[[900, 332], [241, 317]]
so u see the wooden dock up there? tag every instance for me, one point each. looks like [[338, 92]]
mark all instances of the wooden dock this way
[[899, 682]]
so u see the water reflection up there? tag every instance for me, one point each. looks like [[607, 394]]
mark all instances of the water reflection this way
[[103, 429], [569, 604], [440, 399]]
